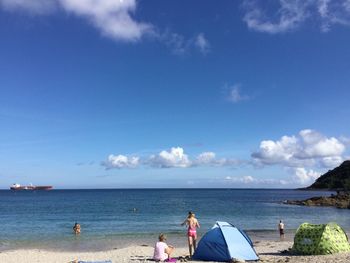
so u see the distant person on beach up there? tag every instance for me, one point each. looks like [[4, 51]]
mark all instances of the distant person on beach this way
[[162, 251], [76, 228], [192, 224], [281, 229]]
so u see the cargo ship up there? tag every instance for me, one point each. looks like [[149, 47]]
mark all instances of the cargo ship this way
[[30, 187]]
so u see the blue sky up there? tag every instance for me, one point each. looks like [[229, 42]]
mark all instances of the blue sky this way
[[122, 93]]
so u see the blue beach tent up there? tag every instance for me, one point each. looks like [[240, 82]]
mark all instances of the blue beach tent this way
[[225, 242]]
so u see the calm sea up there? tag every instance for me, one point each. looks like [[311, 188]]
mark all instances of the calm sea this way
[[115, 218]]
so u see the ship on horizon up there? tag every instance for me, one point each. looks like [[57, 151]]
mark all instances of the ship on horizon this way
[[18, 187]]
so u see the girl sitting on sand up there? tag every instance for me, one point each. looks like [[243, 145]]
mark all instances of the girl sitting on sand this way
[[192, 224], [162, 251]]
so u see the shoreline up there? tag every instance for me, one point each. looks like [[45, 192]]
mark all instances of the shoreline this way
[[140, 249], [85, 243], [268, 251]]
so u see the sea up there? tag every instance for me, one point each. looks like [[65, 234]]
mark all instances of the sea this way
[[115, 218]]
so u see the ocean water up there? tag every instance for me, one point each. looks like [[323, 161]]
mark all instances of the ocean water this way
[[118, 217]]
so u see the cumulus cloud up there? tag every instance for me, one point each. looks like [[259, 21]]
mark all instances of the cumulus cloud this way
[[250, 180], [317, 145], [114, 18], [234, 93], [206, 158], [345, 140], [303, 176], [169, 159], [274, 152], [120, 161], [209, 159], [331, 161], [244, 179], [307, 148], [172, 158], [291, 14], [202, 43]]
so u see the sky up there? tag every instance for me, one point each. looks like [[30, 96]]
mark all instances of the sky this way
[[162, 94]]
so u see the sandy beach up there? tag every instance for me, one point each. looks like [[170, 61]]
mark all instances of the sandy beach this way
[[269, 251]]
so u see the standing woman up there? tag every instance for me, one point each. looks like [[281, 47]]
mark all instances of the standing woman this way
[[192, 224]]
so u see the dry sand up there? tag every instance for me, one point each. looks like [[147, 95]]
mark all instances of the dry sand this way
[[269, 251]]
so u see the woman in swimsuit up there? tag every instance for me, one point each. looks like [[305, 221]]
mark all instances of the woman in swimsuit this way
[[192, 224]]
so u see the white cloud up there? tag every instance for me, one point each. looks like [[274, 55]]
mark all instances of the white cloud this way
[[31, 6], [202, 43], [334, 12], [317, 145], [345, 140], [206, 158], [173, 158], [303, 176], [291, 14], [323, 11], [331, 161], [244, 179], [235, 94], [306, 149], [181, 45], [275, 152], [247, 179], [252, 181], [176, 157], [176, 42], [169, 159], [120, 161], [209, 159], [114, 18]]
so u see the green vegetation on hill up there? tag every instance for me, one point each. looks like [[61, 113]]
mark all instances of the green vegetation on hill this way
[[336, 179]]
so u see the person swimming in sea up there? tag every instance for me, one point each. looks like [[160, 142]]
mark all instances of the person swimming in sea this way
[[76, 228], [192, 223]]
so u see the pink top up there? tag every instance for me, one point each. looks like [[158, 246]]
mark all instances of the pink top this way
[[159, 251]]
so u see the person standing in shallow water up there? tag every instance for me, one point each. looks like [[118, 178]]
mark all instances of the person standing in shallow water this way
[[192, 224], [281, 229]]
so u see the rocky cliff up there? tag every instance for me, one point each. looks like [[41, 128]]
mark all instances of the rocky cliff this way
[[336, 179]]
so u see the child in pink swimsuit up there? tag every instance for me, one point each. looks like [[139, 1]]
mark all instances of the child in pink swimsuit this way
[[192, 224]]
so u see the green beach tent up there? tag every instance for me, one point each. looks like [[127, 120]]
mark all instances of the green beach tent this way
[[320, 239]]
